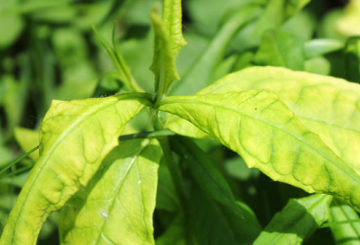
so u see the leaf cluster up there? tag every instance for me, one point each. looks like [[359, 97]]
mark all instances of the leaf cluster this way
[[248, 134]]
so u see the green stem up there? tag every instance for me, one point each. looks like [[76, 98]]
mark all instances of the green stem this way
[[123, 68], [175, 171], [20, 171], [119, 62], [160, 90], [12, 163]]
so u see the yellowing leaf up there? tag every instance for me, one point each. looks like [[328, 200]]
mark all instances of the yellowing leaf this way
[[327, 106], [117, 206], [28, 139], [183, 127], [75, 137], [261, 128]]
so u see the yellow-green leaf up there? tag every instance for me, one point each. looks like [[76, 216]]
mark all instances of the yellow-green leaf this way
[[261, 128], [172, 14], [75, 137], [117, 206], [183, 127], [327, 106], [28, 139], [168, 42]]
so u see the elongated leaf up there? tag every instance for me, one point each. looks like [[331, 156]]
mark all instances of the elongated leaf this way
[[204, 173], [215, 187], [168, 42], [172, 17], [344, 224], [118, 204], [166, 198], [212, 223], [276, 12], [327, 106], [139, 62], [75, 137], [122, 68], [258, 126], [204, 19], [272, 17], [281, 48], [297, 221]]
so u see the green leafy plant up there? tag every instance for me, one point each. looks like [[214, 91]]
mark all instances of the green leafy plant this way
[[107, 179]]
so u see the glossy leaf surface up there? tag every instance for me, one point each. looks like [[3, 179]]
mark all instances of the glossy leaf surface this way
[[117, 206], [75, 137], [258, 126], [327, 106]]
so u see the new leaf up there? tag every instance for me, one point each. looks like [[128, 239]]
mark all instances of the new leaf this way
[[168, 42]]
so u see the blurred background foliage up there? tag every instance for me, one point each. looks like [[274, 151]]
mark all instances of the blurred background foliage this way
[[48, 50]]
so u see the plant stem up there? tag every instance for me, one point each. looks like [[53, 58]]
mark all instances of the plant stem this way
[[175, 171], [119, 62], [123, 68], [12, 163], [160, 90]]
